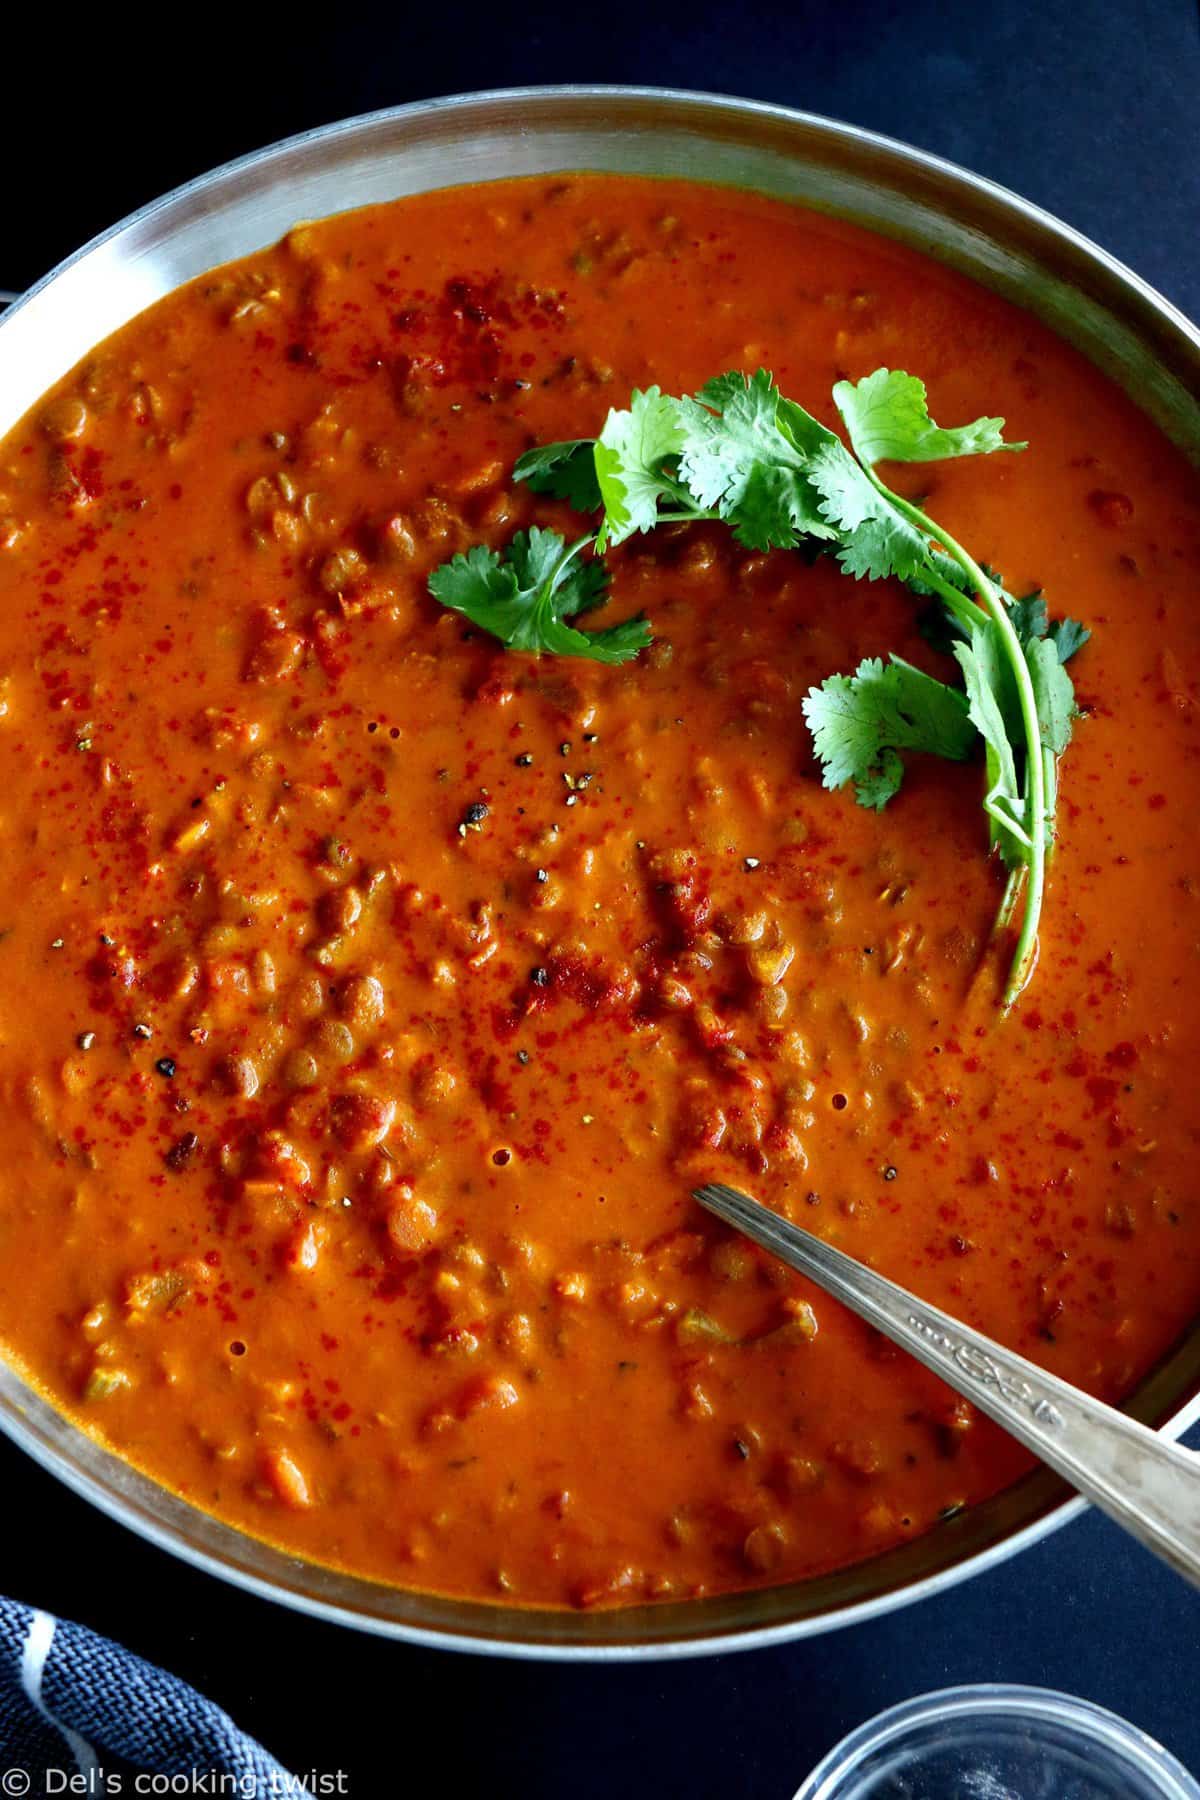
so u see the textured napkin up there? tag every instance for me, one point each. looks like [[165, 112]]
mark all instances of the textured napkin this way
[[74, 1705]]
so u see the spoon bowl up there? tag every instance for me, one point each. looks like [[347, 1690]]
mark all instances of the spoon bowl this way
[[1150, 1486]]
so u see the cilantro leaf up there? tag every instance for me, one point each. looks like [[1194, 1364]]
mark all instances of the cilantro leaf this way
[[859, 722], [873, 537], [1067, 636], [738, 463], [523, 596], [1054, 692], [567, 470], [1029, 617], [876, 538], [1032, 625], [986, 675], [628, 461], [887, 417], [878, 785]]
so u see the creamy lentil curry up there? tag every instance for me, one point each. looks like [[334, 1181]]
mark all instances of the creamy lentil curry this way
[[373, 997]]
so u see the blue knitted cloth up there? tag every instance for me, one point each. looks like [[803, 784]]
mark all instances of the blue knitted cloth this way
[[73, 1704]]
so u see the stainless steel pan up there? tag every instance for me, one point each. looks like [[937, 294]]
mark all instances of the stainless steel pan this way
[[1118, 322]]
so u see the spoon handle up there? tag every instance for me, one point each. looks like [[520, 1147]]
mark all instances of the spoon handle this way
[[1144, 1482]]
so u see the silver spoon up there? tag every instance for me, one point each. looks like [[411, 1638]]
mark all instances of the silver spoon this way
[[1144, 1482]]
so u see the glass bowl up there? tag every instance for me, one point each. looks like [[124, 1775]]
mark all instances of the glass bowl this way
[[995, 1742]]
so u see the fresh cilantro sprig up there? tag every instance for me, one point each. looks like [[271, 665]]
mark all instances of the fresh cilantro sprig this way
[[635, 458], [525, 595], [887, 414], [745, 458], [740, 452], [861, 722], [568, 471]]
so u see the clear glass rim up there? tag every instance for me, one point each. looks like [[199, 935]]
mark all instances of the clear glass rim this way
[[1134, 1749]]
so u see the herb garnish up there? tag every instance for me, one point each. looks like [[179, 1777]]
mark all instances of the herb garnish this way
[[740, 452], [523, 596], [860, 722]]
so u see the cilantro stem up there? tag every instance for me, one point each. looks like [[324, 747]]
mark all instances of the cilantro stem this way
[[682, 497], [993, 607], [1012, 890], [567, 558], [685, 510], [958, 604]]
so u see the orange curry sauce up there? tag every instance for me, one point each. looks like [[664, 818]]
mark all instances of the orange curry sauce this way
[[349, 1127]]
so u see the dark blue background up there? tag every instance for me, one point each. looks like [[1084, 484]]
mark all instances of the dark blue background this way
[[1088, 108]]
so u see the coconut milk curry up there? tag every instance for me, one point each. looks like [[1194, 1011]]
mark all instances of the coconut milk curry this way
[[372, 996]]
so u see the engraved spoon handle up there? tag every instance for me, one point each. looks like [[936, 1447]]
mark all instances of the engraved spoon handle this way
[[1144, 1482]]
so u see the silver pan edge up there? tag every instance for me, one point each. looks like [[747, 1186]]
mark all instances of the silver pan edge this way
[[1119, 323]]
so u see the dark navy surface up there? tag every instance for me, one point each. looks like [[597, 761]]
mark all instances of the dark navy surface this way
[[1091, 109]]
